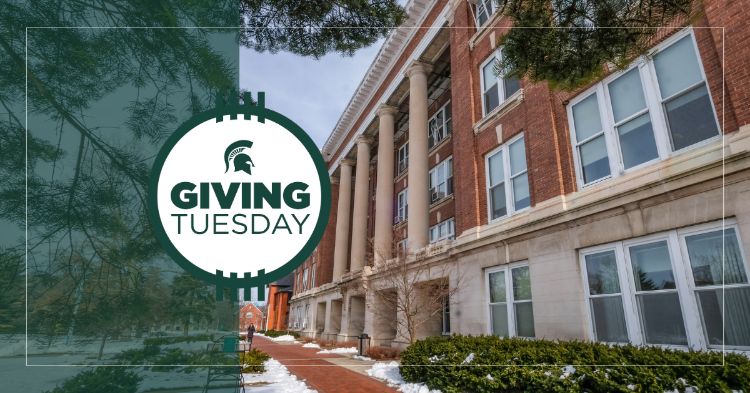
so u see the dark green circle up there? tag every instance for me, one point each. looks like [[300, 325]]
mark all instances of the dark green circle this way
[[325, 200]]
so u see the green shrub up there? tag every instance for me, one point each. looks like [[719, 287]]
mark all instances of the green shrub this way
[[252, 361], [519, 365], [101, 380], [277, 333]]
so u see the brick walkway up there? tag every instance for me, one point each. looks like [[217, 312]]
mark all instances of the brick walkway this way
[[318, 373]]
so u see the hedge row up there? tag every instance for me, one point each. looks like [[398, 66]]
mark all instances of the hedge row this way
[[277, 333], [176, 339], [492, 364]]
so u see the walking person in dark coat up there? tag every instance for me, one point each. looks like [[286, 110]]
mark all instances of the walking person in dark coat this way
[[250, 333]]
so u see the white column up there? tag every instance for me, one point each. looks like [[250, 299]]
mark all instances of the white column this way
[[418, 184], [383, 239], [340, 251], [359, 214]]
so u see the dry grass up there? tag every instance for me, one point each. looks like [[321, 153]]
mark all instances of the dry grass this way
[[383, 353]]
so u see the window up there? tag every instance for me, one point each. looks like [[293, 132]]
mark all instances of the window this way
[[495, 88], [667, 289], [402, 206], [304, 279], [441, 180], [439, 126], [510, 308], [307, 312], [403, 158], [401, 247], [442, 231], [312, 277], [507, 179], [627, 121], [446, 315], [484, 10]]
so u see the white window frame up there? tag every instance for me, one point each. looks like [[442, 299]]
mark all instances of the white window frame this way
[[510, 203], [450, 230], [401, 246], [305, 275], [509, 297], [446, 183], [654, 108], [402, 158], [494, 6], [496, 55], [684, 283], [402, 209], [446, 127], [312, 274]]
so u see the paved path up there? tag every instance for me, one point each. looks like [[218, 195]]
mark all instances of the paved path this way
[[319, 373]]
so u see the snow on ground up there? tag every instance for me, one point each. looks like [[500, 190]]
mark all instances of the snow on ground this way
[[311, 345], [284, 338], [275, 379], [364, 358], [340, 350], [390, 374]]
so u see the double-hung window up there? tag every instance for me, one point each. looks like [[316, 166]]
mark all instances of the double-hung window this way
[[441, 180], [484, 10], [403, 158], [439, 126], [305, 275], [402, 206], [510, 308], [496, 88], [444, 230], [667, 289], [507, 179], [643, 114]]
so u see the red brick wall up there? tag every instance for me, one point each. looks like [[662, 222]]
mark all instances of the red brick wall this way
[[256, 319]]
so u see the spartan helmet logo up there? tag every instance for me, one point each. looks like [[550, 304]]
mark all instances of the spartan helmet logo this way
[[242, 161]]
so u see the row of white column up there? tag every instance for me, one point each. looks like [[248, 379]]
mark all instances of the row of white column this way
[[418, 224]]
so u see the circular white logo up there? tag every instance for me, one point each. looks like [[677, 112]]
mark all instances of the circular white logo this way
[[240, 193]]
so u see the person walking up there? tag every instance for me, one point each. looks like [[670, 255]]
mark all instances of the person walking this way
[[250, 333]]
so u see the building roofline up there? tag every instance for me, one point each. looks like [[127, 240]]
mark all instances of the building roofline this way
[[378, 70]]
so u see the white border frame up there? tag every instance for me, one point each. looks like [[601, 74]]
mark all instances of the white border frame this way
[[509, 298]]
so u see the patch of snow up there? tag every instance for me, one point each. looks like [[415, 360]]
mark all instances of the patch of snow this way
[[631, 387], [548, 373], [275, 379], [435, 358], [284, 338], [489, 376], [340, 350], [389, 373], [365, 358], [468, 359], [567, 371], [311, 345]]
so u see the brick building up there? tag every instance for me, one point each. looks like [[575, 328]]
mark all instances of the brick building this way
[[250, 314], [610, 213], [279, 293]]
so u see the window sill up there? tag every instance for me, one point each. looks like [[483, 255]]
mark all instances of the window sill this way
[[400, 224], [439, 145], [502, 109], [401, 176], [440, 202], [483, 30]]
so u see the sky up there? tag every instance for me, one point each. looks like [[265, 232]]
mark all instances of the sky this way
[[313, 93]]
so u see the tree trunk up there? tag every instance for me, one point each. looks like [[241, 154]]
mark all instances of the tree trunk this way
[[101, 346]]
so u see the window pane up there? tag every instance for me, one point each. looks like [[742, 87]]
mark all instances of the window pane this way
[[521, 198], [677, 67], [662, 318], [594, 160], [521, 283], [626, 94], [491, 99], [517, 157], [499, 315], [736, 315], [709, 263], [637, 141], [586, 118], [601, 270], [497, 173], [691, 118], [524, 319], [512, 85], [652, 267], [497, 200], [488, 73], [609, 319], [497, 287]]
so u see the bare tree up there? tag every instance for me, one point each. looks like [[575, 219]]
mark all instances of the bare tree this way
[[413, 289]]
